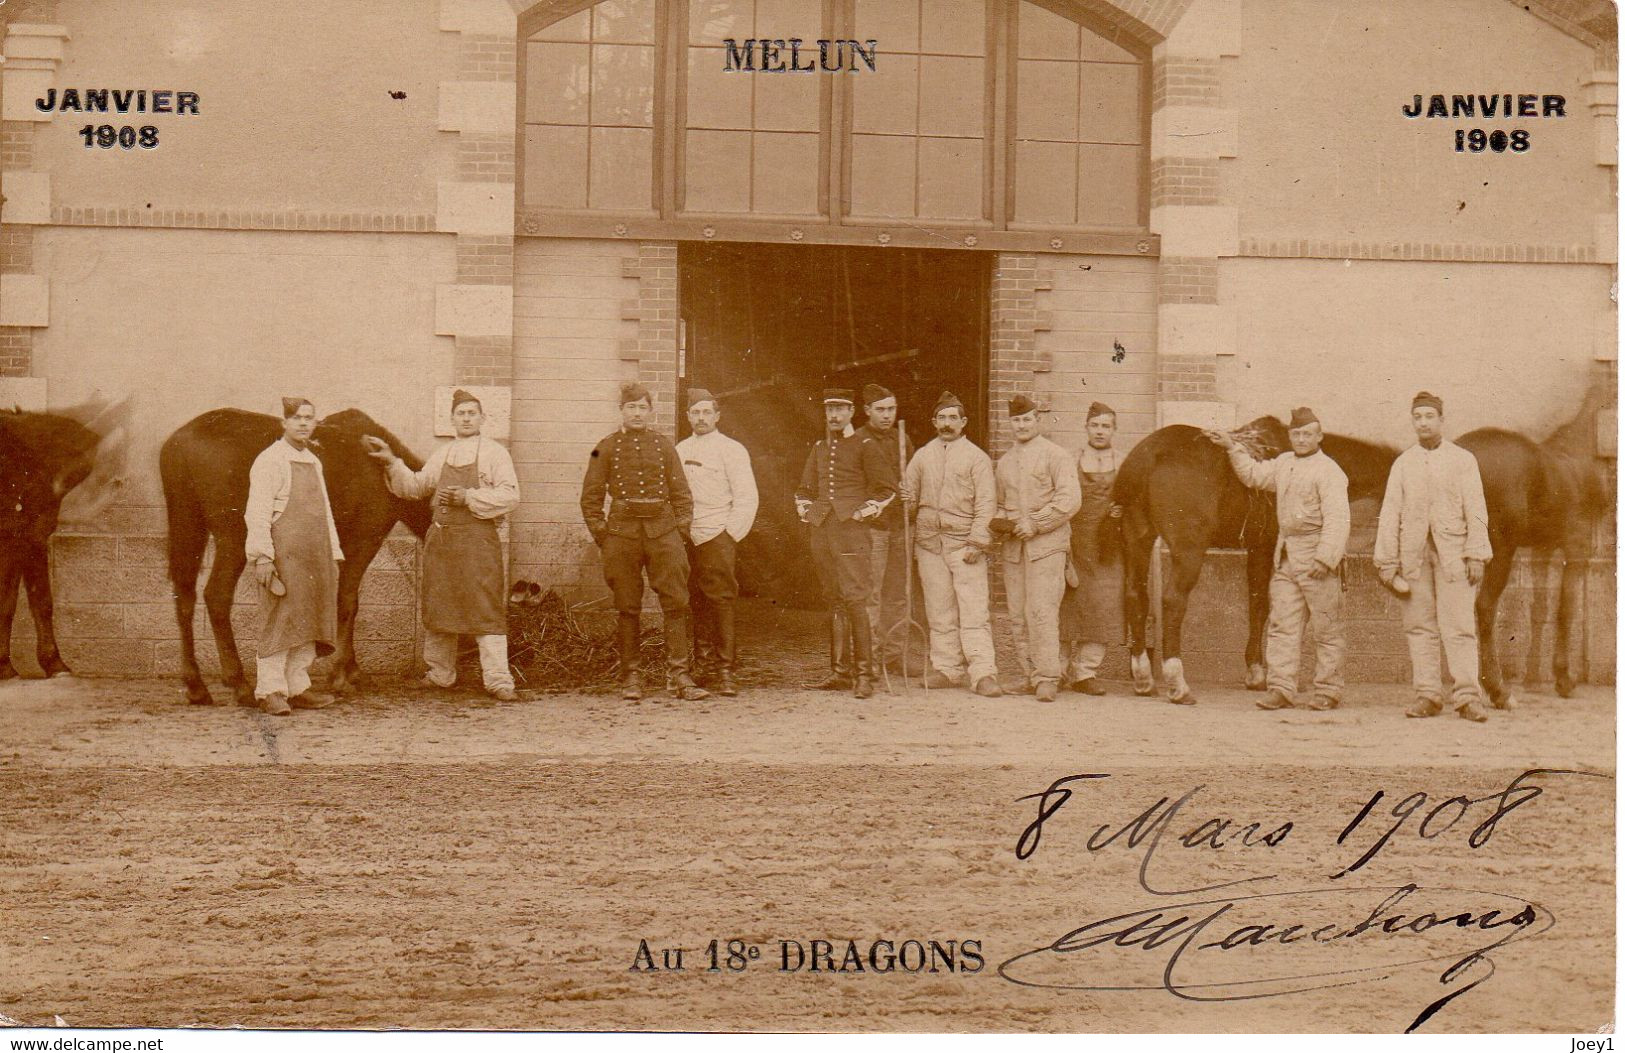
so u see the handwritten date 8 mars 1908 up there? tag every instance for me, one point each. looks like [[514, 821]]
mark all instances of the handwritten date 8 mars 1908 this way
[[1369, 831]]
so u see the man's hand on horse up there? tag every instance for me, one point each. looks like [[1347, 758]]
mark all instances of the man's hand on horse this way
[[264, 571], [1475, 571], [377, 448], [1220, 438]]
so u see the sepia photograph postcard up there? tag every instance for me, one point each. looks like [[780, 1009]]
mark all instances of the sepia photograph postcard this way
[[807, 517]]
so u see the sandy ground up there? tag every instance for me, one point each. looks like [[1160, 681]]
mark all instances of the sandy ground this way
[[409, 859]]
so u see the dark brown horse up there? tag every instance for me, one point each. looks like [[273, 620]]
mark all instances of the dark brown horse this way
[[1545, 496], [204, 466], [1179, 486], [42, 457]]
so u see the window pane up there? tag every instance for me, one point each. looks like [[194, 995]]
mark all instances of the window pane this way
[[785, 174], [776, 19], [895, 23], [1099, 49], [952, 96], [556, 84], [716, 99], [713, 21], [1047, 183], [556, 167], [951, 27], [573, 28], [1044, 34], [883, 175], [717, 177], [1109, 185], [1047, 101], [623, 85], [787, 104], [622, 160], [1110, 111], [887, 100], [624, 21], [951, 178]]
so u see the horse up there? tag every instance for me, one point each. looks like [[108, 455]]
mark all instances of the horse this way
[[1179, 486], [43, 456], [204, 467], [1547, 496]]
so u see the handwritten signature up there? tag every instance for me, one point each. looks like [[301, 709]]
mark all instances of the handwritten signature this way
[[1282, 943]]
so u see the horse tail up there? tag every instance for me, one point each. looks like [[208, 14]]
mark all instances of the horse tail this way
[[188, 527]]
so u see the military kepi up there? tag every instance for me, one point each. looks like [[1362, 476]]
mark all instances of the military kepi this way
[[1020, 405], [1302, 417], [461, 396], [838, 395], [1428, 398]]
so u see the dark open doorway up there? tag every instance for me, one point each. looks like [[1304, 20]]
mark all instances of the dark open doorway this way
[[768, 327]]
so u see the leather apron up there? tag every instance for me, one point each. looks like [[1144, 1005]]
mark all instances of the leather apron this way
[[463, 587], [1093, 612], [305, 561]]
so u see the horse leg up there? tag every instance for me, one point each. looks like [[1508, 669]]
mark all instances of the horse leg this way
[[186, 544], [217, 596], [1136, 566], [1496, 573], [1568, 607], [37, 580], [1540, 561], [1259, 572], [1175, 596], [346, 671], [10, 574]]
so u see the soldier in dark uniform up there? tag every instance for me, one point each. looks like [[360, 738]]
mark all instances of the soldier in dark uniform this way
[[650, 508], [849, 480], [889, 564]]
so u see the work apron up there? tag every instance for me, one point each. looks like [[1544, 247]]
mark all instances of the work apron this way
[[308, 613], [1093, 612], [463, 589]]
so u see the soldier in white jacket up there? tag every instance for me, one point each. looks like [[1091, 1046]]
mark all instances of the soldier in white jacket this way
[[1312, 513], [1433, 540]]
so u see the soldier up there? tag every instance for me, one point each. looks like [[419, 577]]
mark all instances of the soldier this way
[[1312, 510], [1432, 543], [293, 549], [847, 482], [725, 499], [464, 572], [1092, 610], [888, 545], [1037, 497], [650, 509], [950, 484]]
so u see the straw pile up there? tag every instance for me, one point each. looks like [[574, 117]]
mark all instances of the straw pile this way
[[552, 645]]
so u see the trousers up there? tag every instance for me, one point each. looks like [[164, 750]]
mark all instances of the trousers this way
[[712, 589], [1032, 591], [1296, 598], [285, 673], [626, 559], [888, 590], [1440, 610], [956, 608], [1083, 661], [440, 653]]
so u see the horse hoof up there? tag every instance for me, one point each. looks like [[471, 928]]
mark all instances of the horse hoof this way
[[244, 697], [199, 697], [7, 670], [60, 673], [1506, 701], [1565, 686], [1183, 700], [1145, 692], [1257, 678]]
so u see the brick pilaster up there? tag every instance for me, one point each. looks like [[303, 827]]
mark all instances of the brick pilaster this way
[[657, 328], [1013, 353]]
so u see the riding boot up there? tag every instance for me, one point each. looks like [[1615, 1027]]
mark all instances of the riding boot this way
[[863, 658], [726, 654], [840, 654], [678, 683], [626, 643]]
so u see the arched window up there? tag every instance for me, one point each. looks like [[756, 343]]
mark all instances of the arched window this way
[[1013, 117]]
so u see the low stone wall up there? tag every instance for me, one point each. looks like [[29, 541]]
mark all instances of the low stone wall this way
[[115, 613]]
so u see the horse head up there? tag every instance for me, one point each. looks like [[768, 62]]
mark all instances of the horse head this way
[[344, 457]]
